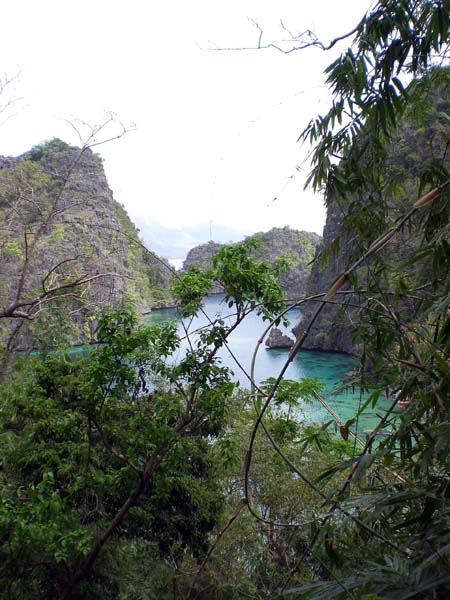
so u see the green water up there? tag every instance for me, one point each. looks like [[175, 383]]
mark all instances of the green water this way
[[330, 368]]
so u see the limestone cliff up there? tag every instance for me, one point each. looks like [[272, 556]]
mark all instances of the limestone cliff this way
[[331, 331], [61, 223], [420, 143], [297, 246]]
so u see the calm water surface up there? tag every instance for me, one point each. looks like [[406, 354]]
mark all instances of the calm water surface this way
[[330, 368]]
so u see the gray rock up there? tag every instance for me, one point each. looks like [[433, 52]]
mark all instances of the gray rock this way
[[342, 244], [298, 247], [278, 339]]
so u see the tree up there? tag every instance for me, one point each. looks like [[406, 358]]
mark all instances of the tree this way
[[392, 506], [394, 74], [141, 425]]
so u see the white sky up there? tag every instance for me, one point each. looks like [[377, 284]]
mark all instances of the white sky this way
[[215, 132]]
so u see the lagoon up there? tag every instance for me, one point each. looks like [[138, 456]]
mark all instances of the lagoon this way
[[328, 367]]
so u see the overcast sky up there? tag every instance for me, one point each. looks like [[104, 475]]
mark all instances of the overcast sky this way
[[212, 138]]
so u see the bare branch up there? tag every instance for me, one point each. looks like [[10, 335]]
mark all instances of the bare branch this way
[[306, 39], [14, 310]]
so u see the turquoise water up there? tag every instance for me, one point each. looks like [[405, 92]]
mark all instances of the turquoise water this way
[[330, 368]]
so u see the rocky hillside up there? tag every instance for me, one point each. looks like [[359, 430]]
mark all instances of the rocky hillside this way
[[331, 331], [421, 140], [61, 225], [297, 246]]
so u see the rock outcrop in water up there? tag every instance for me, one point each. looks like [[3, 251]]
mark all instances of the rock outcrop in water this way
[[278, 339], [297, 246]]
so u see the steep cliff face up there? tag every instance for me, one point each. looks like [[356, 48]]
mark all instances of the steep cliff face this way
[[419, 143], [297, 246], [331, 330], [61, 224]]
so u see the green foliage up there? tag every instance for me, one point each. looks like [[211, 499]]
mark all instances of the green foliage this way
[[38, 152], [12, 249], [249, 284], [122, 464], [289, 392], [76, 432], [39, 516], [382, 144], [149, 276], [394, 40], [81, 438], [51, 330], [190, 288], [257, 552]]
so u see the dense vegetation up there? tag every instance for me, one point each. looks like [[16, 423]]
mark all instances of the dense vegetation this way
[[119, 446], [126, 475]]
